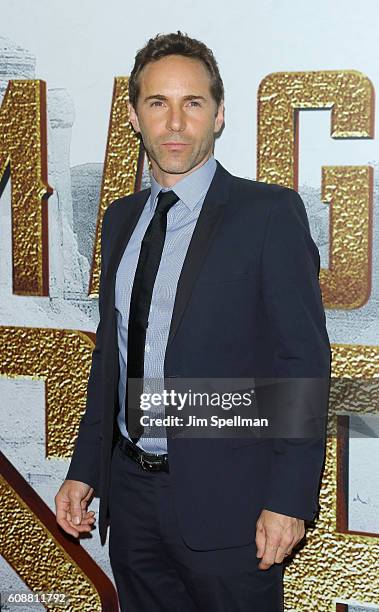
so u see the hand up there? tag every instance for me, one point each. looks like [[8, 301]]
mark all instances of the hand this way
[[71, 507], [276, 535]]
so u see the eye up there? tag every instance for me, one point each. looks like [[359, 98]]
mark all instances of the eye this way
[[194, 102], [156, 102]]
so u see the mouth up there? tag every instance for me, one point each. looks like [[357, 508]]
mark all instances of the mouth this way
[[174, 145]]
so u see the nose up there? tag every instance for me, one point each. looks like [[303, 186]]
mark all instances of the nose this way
[[176, 119]]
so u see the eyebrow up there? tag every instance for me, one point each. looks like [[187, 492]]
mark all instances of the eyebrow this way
[[161, 97]]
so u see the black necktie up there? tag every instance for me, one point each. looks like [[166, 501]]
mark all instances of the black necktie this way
[[144, 279]]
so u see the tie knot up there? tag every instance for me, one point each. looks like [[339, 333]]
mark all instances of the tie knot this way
[[166, 199]]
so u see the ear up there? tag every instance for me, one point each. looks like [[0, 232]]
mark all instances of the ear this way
[[133, 118], [219, 119]]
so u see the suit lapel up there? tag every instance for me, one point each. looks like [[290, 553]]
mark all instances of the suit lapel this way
[[204, 232], [133, 211]]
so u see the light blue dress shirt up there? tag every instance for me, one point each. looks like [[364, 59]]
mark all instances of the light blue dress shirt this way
[[181, 221]]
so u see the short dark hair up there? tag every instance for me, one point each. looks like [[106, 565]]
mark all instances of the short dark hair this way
[[175, 44]]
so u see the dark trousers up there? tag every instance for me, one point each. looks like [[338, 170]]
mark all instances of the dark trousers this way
[[155, 571]]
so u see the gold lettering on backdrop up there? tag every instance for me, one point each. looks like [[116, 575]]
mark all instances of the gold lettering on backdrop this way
[[42, 555], [346, 283], [122, 169], [62, 359], [23, 156], [336, 566], [350, 96], [348, 93], [30, 540]]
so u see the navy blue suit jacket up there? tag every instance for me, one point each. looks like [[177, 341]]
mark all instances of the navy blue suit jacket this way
[[248, 304]]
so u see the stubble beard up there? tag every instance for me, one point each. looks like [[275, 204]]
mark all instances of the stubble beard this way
[[177, 162]]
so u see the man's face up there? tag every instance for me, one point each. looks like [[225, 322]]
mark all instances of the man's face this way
[[176, 115]]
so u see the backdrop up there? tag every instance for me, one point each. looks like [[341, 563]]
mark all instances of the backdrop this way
[[300, 83]]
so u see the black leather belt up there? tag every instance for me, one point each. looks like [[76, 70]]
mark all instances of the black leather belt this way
[[150, 462]]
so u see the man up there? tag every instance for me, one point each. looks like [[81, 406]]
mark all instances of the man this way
[[204, 276]]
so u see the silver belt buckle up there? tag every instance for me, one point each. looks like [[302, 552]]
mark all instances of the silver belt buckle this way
[[146, 464], [153, 465]]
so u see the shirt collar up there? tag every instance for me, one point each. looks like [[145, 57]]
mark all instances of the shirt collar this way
[[189, 189]]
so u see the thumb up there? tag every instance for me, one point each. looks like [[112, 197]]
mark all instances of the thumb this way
[[76, 510]]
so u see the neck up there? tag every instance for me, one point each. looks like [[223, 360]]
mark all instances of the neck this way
[[166, 179]]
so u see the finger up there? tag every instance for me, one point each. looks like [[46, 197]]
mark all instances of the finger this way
[[260, 541], [85, 514], [67, 527], [301, 534], [283, 551], [62, 515], [88, 496], [269, 555], [86, 520], [76, 509], [296, 544], [83, 527], [64, 518]]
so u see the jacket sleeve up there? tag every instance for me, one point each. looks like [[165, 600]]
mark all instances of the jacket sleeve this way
[[302, 358], [85, 461]]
